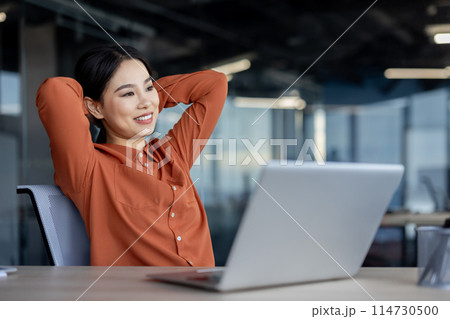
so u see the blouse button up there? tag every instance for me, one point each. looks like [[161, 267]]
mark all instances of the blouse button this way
[[179, 238], [174, 188], [173, 215]]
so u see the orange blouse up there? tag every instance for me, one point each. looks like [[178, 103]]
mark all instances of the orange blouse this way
[[140, 208]]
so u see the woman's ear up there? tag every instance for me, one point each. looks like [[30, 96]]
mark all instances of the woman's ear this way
[[94, 108]]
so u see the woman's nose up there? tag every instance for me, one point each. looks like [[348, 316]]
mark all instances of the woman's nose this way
[[143, 102], [143, 105]]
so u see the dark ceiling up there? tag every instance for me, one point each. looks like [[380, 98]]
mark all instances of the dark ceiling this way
[[282, 38], [290, 35]]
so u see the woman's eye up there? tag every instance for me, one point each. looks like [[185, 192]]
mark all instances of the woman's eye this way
[[150, 88], [128, 94]]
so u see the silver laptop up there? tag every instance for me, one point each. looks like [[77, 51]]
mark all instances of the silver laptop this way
[[303, 223]]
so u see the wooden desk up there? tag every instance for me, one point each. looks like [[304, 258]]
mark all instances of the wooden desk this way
[[129, 283]]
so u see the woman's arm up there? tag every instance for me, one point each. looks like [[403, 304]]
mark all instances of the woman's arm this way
[[62, 111], [207, 91]]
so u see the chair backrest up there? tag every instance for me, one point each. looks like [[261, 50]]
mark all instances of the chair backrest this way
[[62, 227]]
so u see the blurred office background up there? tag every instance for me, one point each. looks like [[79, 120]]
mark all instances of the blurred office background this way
[[347, 102]]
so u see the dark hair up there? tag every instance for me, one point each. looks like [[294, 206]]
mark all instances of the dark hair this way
[[95, 69]]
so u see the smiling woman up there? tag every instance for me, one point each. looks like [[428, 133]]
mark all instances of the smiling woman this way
[[137, 198]]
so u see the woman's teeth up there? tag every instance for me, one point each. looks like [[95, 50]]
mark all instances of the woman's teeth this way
[[144, 118]]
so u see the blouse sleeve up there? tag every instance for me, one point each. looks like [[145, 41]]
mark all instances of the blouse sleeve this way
[[62, 111], [207, 91]]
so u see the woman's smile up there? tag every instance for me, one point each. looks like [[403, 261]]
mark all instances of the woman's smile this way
[[144, 119]]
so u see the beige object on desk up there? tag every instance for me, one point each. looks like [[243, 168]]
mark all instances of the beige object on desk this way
[[403, 218], [130, 283]]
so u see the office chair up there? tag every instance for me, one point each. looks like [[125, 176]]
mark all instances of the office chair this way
[[62, 227]]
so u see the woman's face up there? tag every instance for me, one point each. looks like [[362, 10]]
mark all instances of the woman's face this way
[[130, 103]]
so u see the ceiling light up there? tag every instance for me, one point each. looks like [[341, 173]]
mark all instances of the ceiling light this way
[[442, 38], [286, 102], [432, 29], [439, 32], [417, 73], [2, 17], [233, 67]]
